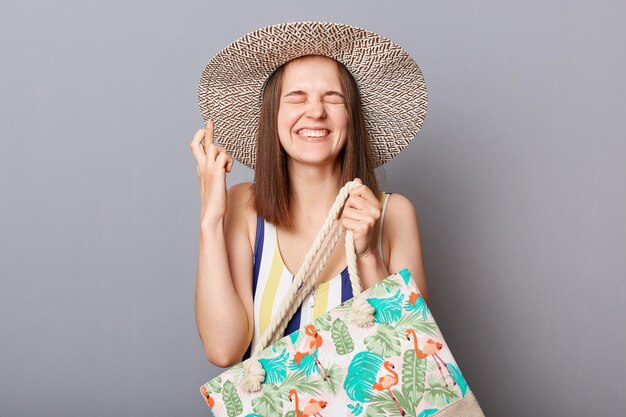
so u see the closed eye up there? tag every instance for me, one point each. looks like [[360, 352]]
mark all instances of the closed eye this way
[[296, 97]]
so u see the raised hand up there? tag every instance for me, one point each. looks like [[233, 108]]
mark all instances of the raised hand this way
[[213, 162]]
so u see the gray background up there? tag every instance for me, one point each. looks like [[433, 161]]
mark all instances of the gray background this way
[[517, 177]]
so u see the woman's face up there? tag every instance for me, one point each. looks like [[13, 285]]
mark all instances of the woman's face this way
[[312, 116]]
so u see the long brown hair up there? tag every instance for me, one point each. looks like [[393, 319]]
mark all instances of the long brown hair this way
[[271, 191]]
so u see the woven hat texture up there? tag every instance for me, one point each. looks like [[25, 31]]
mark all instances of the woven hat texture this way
[[391, 85]]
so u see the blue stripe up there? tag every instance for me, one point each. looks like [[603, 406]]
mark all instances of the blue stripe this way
[[294, 323], [346, 286], [258, 252]]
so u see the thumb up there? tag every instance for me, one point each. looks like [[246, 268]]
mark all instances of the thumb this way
[[358, 180]]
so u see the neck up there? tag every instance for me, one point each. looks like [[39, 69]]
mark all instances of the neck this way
[[314, 189]]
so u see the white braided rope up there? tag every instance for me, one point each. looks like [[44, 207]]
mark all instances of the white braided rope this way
[[287, 303], [298, 296], [302, 284]]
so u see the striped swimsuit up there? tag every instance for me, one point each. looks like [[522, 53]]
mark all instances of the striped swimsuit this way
[[272, 279]]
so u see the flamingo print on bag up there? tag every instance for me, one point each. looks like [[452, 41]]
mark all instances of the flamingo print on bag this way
[[312, 408], [413, 297], [388, 381], [430, 349], [311, 345], [210, 401]]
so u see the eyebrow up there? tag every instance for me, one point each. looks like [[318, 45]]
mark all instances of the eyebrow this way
[[302, 93]]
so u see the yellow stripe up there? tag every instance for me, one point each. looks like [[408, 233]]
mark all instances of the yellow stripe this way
[[381, 198], [321, 299], [269, 291]]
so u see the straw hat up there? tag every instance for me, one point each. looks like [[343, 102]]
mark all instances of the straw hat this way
[[391, 85]]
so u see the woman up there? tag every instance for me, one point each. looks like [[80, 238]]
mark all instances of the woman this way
[[311, 119]]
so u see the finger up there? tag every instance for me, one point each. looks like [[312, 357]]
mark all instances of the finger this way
[[209, 135], [362, 203], [357, 227], [196, 148], [363, 191], [212, 152], [359, 215], [222, 149], [222, 160]]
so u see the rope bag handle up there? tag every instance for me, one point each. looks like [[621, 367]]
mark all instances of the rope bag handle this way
[[362, 313]]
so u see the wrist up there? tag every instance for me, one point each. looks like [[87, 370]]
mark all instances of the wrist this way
[[211, 224], [368, 259]]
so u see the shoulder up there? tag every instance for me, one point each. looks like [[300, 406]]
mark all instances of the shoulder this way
[[399, 205], [240, 202], [403, 234], [240, 191], [400, 217]]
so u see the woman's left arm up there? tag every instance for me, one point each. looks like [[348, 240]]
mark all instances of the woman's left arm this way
[[401, 228]]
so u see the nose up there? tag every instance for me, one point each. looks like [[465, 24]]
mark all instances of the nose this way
[[315, 109]]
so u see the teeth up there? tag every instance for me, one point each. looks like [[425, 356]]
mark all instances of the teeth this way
[[313, 133]]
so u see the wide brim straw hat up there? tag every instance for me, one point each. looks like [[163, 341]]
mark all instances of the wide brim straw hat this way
[[391, 85]]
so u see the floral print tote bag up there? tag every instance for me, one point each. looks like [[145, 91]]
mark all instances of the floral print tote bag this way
[[380, 353]]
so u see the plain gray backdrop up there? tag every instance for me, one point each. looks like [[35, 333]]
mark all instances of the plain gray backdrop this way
[[517, 177]]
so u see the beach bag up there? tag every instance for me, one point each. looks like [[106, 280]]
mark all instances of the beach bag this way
[[379, 353]]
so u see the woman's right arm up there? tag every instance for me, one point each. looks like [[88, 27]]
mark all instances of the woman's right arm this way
[[223, 283]]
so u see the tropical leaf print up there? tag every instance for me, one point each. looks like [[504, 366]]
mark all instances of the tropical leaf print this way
[[438, 394], [322, 322], [384, 402], [406, 275], [374, 411], [300, 382], [435, 373], [385, 342], [279, 345], [458, 377], [294, 336], [341, 337], [270, 403], [351, 388], [393, 283], [419, 307], [413, 375], [275, 368], [361, 376], [233, 404], [388, 309], [234, 373], [214, 386], [335, 376], [404, 402], [415, 322], [385, 287], [307, 364], [357, 409]]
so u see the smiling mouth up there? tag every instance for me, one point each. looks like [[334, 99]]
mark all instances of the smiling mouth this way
[[313, 135]]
